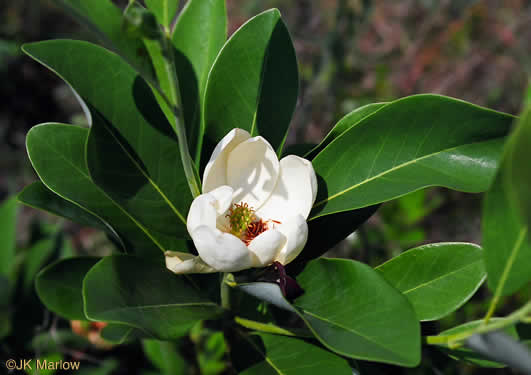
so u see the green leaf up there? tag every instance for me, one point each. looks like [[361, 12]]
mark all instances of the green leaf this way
[[409, 144], [352, 311], [118, 98], [34, 259], [59, 286], [164, 10], [197, 44], [165, 356], [260, 95], [128, 290], [516, 169], [437, 278], [468, 355], [123, 176], [343, 125], [8, 227], [120, 333], [104, 19], [56, 152], [505, 240], [280, 355], [37, 195], [116, 101]]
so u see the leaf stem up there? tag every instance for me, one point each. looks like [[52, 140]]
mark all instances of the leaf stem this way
[[262, 327], [224, 291], [454, 340], [271, 328], [505, 275], [175, 97]]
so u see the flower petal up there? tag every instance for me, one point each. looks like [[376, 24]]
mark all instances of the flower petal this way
[[223, 196], [266, 246], [178, 262], [205, 209], [202, 212], [252, 171], [215, 174], [221, 251], [296, 231], [294, 192]]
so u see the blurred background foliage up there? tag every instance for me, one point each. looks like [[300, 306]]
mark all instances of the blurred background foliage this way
[[350, 52]]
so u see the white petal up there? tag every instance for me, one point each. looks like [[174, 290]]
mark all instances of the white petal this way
[[178, 262], [206, 208], [221, 251], [266, 246], [296, 231], [202, 212], [215, 174], [223, 196], [252, 171], [294, 192]]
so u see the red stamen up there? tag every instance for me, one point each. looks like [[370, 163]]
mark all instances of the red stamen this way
[[254, 229]]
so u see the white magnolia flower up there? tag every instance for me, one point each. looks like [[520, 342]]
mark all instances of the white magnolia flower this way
[[252, 211]]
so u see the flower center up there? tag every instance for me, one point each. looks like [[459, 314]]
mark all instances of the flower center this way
[[240, 217], [244, 224]]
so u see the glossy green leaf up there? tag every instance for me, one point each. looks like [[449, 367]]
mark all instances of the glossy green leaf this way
[[409, 144], [123, 105], [351, 310], [505, 240], [59, 286], [165, 356], [120, 173], [8, 226], [128, 290], [343, 125], [281, 355], [37, 195], [164, 10], [196, 46], [35, 258], [437, 278], [468, 355], [260, 95], [105, 19], [518, 154], [56, 153]]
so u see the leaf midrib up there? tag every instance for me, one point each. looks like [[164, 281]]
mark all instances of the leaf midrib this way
[[351, 330], [440, 277], [152, 183], [146, 307], [397, 167]]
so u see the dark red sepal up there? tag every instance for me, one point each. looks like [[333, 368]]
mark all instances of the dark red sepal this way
[[289, 287]]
